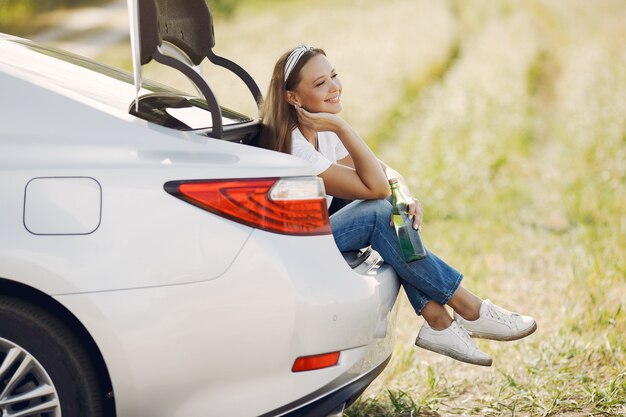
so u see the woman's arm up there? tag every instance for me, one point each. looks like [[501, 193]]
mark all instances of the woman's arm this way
[[392, 173], [415, 208], [365, 179]]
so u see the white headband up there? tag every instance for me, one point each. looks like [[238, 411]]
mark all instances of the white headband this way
[[294, 57]]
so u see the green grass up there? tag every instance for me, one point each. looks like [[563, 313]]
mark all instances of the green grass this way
[[519, 158], [388, 124]]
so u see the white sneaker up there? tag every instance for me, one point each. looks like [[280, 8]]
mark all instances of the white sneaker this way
[[496, 323], [454, 342]]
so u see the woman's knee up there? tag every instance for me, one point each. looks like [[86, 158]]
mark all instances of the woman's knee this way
[[373, 213], [381, 208]]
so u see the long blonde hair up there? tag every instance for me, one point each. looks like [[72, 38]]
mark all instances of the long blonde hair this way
[[278, 117]]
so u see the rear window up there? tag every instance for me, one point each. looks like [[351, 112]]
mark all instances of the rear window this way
[[181, 113]]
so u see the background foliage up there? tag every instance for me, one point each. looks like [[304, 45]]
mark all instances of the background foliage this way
[[22, 17]]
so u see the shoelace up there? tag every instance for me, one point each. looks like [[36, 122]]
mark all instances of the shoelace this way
[[500, 314], [462, 333]]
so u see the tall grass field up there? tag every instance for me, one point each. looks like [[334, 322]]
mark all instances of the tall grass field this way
[[518, 154], [508, 119]]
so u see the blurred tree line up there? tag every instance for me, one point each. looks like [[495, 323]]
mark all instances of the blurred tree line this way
[[23, 17]]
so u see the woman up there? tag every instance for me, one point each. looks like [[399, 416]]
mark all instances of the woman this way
[[301, 117]]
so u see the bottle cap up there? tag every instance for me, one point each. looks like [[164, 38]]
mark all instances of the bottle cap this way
[[393, 180]]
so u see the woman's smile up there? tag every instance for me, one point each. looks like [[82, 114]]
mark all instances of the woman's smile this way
[[319, 89]]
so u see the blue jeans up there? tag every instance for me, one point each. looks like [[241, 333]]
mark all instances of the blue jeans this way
[[366, 223]]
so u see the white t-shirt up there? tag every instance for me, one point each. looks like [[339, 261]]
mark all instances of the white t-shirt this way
[[330, 151]]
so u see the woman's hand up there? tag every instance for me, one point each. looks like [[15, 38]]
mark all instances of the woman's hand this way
[[415, 213], [319, 122]]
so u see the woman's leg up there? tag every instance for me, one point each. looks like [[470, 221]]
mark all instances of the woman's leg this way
[[434, 313], [365, 223], [441, 333], [465, 304], [436, 316], [429, 283]]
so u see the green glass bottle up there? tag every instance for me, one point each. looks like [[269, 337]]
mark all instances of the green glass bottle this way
[[410, 239]]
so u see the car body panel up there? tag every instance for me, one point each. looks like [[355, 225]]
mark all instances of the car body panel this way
[[283, 315], [112, 147]]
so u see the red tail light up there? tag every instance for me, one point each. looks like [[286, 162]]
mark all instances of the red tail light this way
[[311, 363], [294, 206]]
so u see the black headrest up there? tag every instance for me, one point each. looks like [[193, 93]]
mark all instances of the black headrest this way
[[187, 24]]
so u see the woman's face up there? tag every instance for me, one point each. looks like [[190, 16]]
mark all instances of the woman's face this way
[[319, 89]]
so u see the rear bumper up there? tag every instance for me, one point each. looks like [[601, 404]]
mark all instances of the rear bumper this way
[[340, 393], [329, 398]]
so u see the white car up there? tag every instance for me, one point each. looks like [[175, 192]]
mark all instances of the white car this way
[[148, 268]]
